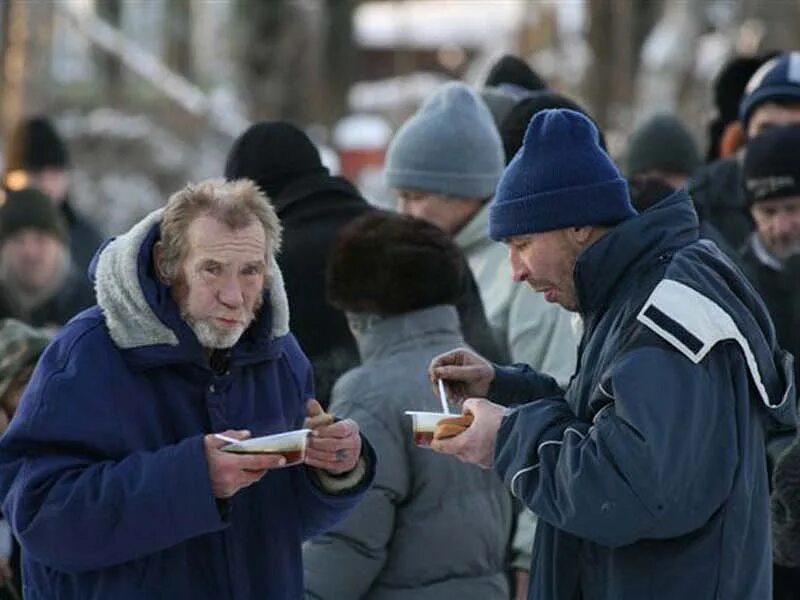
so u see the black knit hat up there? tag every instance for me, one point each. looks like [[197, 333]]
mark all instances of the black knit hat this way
[[513, 127], [273, 154], [35, 145], [771, 167], [30, 209], [662, 143], [516, 72], [386, 263]]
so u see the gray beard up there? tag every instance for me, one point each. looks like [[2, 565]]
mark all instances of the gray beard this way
[[212, 337]]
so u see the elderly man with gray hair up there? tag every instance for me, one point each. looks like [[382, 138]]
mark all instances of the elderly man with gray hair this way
[[111, 475]]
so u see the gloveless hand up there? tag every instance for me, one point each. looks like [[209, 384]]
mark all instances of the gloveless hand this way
[[476, 444]]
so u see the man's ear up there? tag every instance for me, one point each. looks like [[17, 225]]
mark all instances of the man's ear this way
[[158, 263], [581, 235]]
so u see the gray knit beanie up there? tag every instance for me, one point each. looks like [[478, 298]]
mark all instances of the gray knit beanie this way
[[662, 143], [450, 146]]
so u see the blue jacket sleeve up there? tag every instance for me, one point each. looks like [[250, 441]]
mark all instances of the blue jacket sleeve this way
[[76, 501], [519, 383], [656, 462]]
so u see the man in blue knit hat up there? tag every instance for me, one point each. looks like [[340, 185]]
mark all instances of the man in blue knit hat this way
[[648, 472]]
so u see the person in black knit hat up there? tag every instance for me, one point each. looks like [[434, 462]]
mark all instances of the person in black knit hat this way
[[514, 76], [313, 207], [37, 157]]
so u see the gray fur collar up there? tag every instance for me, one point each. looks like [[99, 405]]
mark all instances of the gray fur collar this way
[[129, 318]]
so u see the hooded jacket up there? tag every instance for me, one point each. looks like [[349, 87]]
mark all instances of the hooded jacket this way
[[103, 472], [649, 475]]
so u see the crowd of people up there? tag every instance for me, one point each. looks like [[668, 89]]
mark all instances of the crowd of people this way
[[621, 336]]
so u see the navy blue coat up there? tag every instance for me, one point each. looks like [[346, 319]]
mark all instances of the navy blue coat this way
[[649, 475], [103, 472]]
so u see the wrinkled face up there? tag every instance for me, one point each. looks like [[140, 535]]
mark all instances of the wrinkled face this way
[[448, 214], [32, 259], [222, 280], [778, 225], [769, 115], [546, 262]]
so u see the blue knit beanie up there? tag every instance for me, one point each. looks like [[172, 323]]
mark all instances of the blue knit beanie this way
[[777, 80], [450, 146], [560, 178]]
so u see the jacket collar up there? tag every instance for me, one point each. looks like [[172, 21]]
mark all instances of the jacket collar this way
[[633, 245], [313, 184], [383, 335], [475, 231], [139, 311]]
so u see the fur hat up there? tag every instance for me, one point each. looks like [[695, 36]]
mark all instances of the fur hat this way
[[30, 209], [450, 146], [35, 145], [777, 80], [560, 178], [662, 143], [387, 264], [513, 127], [273, 154], [771, 167]]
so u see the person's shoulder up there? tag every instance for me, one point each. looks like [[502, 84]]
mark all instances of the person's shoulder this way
[[84, 336]]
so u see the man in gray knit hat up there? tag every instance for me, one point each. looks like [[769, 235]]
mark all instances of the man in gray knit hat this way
[[444, 163]]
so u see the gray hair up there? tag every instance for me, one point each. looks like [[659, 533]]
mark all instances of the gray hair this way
[[234, 203]]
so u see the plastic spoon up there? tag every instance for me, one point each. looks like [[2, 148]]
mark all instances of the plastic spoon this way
[[443, 398]]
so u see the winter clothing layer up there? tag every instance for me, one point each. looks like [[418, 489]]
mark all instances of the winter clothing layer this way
[[649, 475], [530, 329], [20, 346], [777, 80], [662, 143], [786, 508], [412, 264], [449, 146], [84, 238], [778, 283], [431, 527], [512, 70], [313, 207], [515, 124], [561, 177], [771, 167], [274, 154], [30, 209], [313, 210], [718, 193], [103, 470], [35, 145]]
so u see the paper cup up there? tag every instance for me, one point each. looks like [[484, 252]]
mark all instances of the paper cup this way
[[424, 424]]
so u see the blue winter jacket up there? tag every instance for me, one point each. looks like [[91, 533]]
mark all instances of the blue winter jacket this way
[[649, 475], [103, 472]]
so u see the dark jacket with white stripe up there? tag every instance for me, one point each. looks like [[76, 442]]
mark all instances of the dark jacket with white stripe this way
[[649, 474]]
